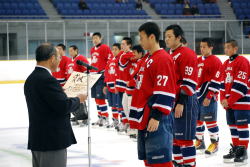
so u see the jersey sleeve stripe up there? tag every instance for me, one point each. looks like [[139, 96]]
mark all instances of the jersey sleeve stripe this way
[[236, 91], [240, 87]]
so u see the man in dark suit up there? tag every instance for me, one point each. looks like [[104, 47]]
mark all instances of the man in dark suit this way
[[50, 131]]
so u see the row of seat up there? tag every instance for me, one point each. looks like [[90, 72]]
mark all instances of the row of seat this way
[[105, 17], [180, 12], [21, 5], [241, 9], [96, 6], [91, 1], [14, 1], [21, 12], [189, 17], [102, 12]]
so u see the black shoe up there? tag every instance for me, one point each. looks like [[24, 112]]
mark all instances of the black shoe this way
[[240, 154], [228, 158]]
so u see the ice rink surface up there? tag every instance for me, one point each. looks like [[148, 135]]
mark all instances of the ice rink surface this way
[[109, 149]]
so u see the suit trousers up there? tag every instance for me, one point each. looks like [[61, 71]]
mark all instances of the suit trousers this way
[[57, 158]]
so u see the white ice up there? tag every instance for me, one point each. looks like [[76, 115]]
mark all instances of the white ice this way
[[109, 149]]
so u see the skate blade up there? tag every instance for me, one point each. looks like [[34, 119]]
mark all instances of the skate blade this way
[[74, 123], [210, 155], [201, 151], [228, 160], [241, 163], [121, 133]]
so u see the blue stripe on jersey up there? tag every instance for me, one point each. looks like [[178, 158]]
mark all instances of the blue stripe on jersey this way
[[135, 115], [111, 84], [202, 90], [214, 86], [122, 65], [121, 84], [130, 88], [163, 100], [189, 84], [222, 85], [244, 99], [240, 87]]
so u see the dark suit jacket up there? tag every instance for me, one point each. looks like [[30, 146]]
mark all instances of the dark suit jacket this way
[[49, 112]]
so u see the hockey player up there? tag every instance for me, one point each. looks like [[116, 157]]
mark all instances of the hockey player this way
[[234, 98], [81, 114], [100, 54], [207, 92], [61, 71], [186, 107], [136, 62], [109, 90], [72, 65], [124, 64], [153, 100]]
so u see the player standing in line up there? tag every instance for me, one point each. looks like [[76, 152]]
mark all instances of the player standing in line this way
[[124, 64], [133, 70], [235, 98], [61, 71], [81, 114], [100, 54], [207, 92], [109, 90], [153, 100], [186, 108]]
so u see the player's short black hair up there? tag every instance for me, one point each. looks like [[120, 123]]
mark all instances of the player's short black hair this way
[[128, 40], [162, 44], [209, 42], [118, 45], [233, 42], [62, 46], [97, 34], [74, 47], [184, 41], [138, 48], [177, 30], [151, 28], [45, 51]]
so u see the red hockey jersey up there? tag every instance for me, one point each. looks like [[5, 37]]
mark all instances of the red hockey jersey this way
[[186, 69], [155, 85], [133, 70], [124, 64], [209, 76], [110, 74], [61, 71], [235, 83], [100, 56], [72, 66]]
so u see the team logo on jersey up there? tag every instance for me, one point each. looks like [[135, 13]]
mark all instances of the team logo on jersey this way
[[94, 59], [131, 71], [70, 70], [112, 70], [229, 78]]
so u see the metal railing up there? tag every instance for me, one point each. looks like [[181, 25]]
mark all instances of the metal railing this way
[[18, 39]]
